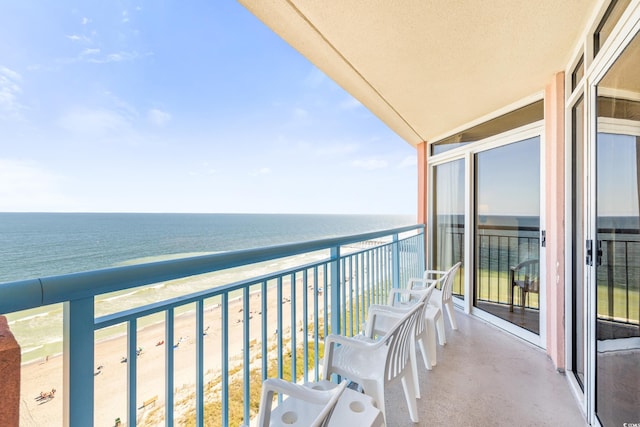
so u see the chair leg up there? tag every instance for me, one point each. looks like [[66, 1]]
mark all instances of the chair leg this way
[[407, 381], [431, 341], [425, 354], [413, 359], [376, 392], [442, 338], [452, 315]]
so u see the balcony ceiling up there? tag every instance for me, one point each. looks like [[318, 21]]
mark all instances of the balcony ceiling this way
[[426, 67]]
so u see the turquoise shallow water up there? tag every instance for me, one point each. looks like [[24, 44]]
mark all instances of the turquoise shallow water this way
[[44, 244]]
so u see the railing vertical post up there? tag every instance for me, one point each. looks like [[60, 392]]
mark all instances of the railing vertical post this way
[[200, 363], [78, 361], [395, 262], [168, 368], [335, 290], [610, 281], [132, 369]]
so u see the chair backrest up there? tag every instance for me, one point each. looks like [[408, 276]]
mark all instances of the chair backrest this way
[[529, 272], [447, 286], [420, 295], [398, 340]]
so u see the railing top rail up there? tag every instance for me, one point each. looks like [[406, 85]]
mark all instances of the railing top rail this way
[[25, 294]]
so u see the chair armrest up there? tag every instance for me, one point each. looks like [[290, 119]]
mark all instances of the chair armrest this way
[[277, 385], [412, 281], [270, 386], [435, 272], [417, 292], [348, 341], [388, 310], [379, 313]]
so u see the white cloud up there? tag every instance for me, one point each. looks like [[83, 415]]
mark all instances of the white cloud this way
[[90, 52], [85, 21], [93, 121], [370, 164], [261, 171], [79, 38], [409, 161], [158, 117], [26, 186], [350, 104], [9, 91], [116, 57], [125, 16], [315, 78]]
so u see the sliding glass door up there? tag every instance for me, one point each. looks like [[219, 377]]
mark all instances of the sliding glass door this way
[[617, 242], [448, 219], [507, 232]]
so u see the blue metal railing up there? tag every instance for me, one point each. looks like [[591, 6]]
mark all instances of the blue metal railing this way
[[330, 294]]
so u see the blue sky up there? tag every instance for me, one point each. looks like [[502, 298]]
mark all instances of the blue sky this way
[[181, 107]]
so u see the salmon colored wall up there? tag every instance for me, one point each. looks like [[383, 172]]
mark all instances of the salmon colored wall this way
[[555, 214], [422, 192], [422, 182], [9, 376]]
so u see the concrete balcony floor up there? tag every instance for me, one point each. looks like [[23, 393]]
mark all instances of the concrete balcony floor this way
[[487, 377]]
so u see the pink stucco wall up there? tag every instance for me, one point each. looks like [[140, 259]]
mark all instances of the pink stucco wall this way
[[9, 376], [555, 214]]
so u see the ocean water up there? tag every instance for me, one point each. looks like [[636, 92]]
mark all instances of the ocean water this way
[[36, 245]]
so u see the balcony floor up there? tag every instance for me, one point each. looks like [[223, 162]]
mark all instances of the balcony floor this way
[[486, 376]]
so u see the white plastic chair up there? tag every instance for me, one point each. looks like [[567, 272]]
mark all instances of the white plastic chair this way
[[305, 406], [401, 301], [375, 363], [444, 299]]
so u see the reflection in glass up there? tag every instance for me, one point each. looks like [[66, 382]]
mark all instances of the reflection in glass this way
[[522, 116], [507, 226], [618, 242], [609, 20], [448, 219]]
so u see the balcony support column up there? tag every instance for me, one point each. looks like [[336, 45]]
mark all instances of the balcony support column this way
[[422, 192], [78, 361], [10, 373], [555, 214]]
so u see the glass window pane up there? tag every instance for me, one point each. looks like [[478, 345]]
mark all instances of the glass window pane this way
[[507, 230], [618, 242], [577, 74], [609, 20], [448, 220], [514, 119]]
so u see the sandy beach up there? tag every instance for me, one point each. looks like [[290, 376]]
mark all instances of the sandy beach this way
[[110, 379]]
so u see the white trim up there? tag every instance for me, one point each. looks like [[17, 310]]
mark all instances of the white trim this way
[[618, 126], [469, 237], [542, 250], [575, 96], [578, 391], [619, 94]]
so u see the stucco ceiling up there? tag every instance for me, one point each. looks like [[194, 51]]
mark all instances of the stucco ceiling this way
[[426, 67]]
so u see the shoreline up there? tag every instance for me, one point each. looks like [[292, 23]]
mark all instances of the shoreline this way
[[111, 379]]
